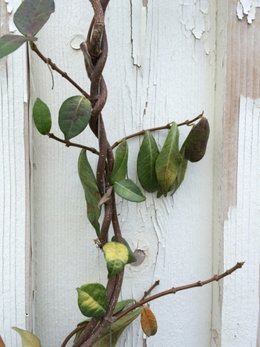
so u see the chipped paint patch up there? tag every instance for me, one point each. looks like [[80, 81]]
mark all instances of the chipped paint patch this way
[[242, 236], [138, 30], [247, 8], [195, 20], [10, 5]]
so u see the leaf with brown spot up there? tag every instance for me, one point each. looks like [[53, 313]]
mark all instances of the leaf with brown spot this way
[[148, 321]]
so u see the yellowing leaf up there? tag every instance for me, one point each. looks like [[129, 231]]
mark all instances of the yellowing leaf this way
[[92, 300], [168, 161], [148, 321], [28, 339], [116, 255], [181, 174], [131, 255]]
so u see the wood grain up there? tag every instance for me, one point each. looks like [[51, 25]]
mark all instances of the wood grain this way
[[236, 224]]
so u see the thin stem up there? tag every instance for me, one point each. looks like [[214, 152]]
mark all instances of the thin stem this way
[[148, 292], [177, 289], [163, 127], [73, 144], [71, 334], [54, 67]]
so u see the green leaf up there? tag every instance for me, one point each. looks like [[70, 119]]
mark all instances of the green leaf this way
[[31, 15], [112, 334], [116, 255], [89, 184], [10, 43], [168, 161], [42, 117], [74, 116], [181, 174], [131, 256], [120, 166], [28, 339], [128, 190], [146, 159], [92, 300], [121, 305]]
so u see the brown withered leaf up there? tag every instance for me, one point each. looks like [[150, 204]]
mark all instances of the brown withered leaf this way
[[195, 144], [148, 321], [106, 197], [1, 342]]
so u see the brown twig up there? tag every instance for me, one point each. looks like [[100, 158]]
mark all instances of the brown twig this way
[[148, 292], [163, 127], [54, 67], [72, 333], [178, 289], [73, 144]]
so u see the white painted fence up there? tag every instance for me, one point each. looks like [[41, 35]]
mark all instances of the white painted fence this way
[[168, 60]]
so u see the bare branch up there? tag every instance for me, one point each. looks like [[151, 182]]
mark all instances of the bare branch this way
[[54, 67], [72, 144], [148, 292], [178, 289]]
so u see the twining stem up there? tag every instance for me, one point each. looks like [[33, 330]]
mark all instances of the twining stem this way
[[96, 50], [174, 290], [54, 67], [72, 144], [163, 127]]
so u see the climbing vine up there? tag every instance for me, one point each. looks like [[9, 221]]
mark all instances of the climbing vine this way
[[159, 170]]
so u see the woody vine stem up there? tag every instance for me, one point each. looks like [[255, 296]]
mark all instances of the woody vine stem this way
[[160, 171]]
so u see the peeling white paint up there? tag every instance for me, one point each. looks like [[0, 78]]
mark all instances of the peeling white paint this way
[[195, 20], [240, 307], [10, 4], [138, 30], [13, 194], [247, 8]]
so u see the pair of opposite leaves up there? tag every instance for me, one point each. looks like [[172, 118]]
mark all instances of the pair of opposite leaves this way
[[164, 171], [29, 18]]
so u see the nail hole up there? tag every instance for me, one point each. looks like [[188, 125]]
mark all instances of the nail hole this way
[[76, 41], [140, 256]]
